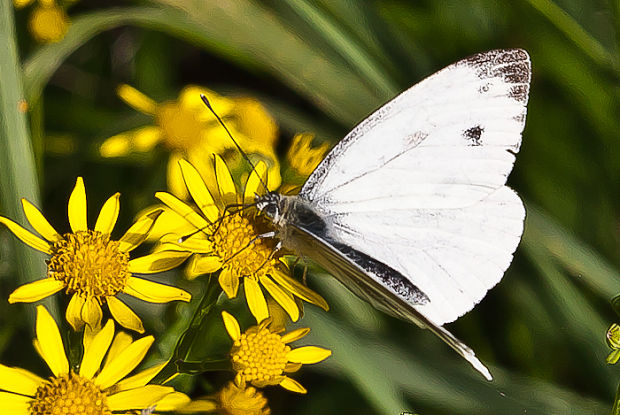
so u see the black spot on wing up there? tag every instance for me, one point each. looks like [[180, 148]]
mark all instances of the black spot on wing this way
[[473, 135]]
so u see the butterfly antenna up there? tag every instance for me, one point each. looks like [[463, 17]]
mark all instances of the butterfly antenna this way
[[245, 156]]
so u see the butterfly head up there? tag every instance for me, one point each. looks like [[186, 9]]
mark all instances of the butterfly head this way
[[270, 205]]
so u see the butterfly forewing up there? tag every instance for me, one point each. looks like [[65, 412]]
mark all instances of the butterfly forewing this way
[[420, 184]]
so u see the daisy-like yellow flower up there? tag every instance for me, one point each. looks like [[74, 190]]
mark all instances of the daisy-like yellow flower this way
[[261, 356], [188, 130], [92, 267], [232, 399], [92, 389], [48, 22], [303, 157], [229, 240]]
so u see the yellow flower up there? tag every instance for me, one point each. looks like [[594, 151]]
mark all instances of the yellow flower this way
[[232, 399], [48, 22], [92, 389], [92, 267], [303, 157], [188, 130], [227, 238], [262, 356]]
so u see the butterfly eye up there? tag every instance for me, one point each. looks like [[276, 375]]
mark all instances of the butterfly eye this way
[[271, 210]]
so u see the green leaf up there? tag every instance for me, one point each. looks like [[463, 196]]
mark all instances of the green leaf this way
[[19, 177]]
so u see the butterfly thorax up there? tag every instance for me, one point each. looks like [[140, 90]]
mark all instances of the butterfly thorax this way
[[287, 211]]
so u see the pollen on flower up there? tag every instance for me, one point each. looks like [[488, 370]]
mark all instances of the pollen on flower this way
[[69, 394], [232, 239], [90, 264], [259, 355]]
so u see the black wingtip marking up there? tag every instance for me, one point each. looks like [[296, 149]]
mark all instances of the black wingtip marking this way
[[473, 135]]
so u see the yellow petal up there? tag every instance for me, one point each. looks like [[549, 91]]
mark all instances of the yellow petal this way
[[108, 215], [145, 138], [96, 350], [77, 207], [282, 297], [197, 243], [198, 189], [201, 265], [168, 222], [308, 355], [126, 361], [138, 398], [185, 211], [89, 335], [14, 404], [26, 236], [91, 313], [154, 292], [13, 379], [174, 177], [140, 379], [39, 223], [118, 145], [74, 312], [172, 401], [124, 315], [36, 290], [199, 406], [120, 343], [226, 185], [139, 231], [140, 140], [255, 183], [50, 342], [136, 99], [232, 326], [292, 385], [299, 289], [256, 300], [295, 335], [157, 262], [21, 3], [229, 282]]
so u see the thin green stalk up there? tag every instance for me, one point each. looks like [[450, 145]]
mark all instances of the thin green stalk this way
[[357, 57], [575, 32], [18, 177], [615, 410]]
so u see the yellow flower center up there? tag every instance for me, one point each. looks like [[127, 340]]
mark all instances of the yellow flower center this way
[[234, 242], [90, 264], [259, 355], [235, 400], [48, 23], [181, 126], [69, 394]]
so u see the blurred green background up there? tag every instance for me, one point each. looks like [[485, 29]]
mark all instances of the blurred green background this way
[[321, 66]]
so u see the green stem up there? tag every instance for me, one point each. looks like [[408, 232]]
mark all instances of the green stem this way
[[615, 410], [188, 338], [19, 178]]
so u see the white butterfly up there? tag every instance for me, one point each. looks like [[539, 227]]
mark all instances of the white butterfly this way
[[410, 210]]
